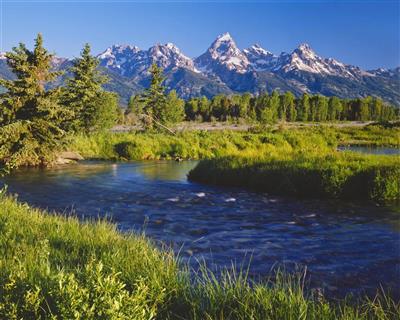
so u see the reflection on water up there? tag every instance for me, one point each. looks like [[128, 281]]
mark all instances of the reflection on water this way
[[166, 170], [371, 150], [347, 247]]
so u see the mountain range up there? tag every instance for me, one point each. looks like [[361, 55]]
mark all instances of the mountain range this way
[[226, 69]]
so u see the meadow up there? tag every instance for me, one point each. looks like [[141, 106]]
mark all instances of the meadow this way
[[300, 161], [55, 267], [202, 144]]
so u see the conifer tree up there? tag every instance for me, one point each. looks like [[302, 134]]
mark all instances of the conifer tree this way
[[31, 118], [93, 107], [154, 97]]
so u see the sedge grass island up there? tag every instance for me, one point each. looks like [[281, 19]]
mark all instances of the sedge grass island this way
[[300, 162], [192, 165]]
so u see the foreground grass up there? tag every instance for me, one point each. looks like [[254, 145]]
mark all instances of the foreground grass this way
[[54, 267]]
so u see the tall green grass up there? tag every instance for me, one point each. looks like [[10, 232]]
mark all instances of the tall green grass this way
[[54, 267], [331, 175], [287, 161], [205, 144], [198, 144]]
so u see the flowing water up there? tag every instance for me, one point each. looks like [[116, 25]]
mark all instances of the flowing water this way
[[347, 247], [372, 150]]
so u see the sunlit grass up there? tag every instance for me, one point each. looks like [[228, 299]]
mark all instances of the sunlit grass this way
[[55, 267], [312, 174]]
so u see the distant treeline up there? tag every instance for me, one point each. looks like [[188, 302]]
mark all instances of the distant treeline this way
[[271, 108], [286, 107]]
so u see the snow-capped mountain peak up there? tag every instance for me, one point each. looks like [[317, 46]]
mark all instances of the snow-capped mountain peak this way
[[130, 61], [117, 49], [224, 37], [224, 53], [169, 56], [305, 47], [304, 59], [259, 58]]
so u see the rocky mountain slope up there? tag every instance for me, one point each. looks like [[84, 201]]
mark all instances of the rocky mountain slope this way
[[224, 68]]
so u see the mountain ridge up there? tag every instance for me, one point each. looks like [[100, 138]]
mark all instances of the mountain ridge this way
[[224, 68]]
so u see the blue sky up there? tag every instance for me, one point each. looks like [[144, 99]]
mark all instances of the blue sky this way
[[364, 33]]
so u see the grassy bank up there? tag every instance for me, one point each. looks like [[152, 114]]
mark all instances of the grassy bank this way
[[287, 160], [332, 175], [370, 135], [53, 267], [199, 144], [206, 144]]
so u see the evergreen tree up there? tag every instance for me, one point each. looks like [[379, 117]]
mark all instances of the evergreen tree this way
[[93, 107], [154, 97], [32, 120], [135, 105]]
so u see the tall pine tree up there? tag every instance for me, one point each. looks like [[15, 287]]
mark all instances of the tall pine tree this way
[[32, 120], [154, 97], [93, 107]]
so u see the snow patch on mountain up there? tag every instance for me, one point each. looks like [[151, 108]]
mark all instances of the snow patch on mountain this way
[[224, 53], [130, 61], [305, 59], [259, 58]]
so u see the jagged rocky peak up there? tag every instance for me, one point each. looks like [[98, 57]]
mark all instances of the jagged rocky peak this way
[[118, 58], [58, 61], [223, 52], [259, 58], [256, 49], [305, 50], [117, 50], [169, 56], [304, 58]]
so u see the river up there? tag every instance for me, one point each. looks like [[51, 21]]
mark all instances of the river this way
[[347, 247]]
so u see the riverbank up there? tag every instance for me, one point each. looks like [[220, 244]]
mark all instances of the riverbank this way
[[343, 175], [55, 266], [285, 161], [210, 144]]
